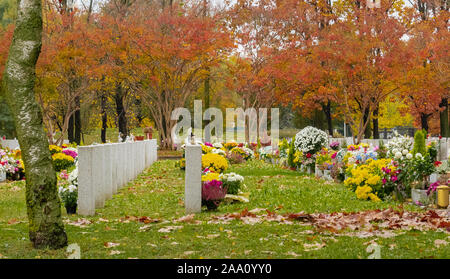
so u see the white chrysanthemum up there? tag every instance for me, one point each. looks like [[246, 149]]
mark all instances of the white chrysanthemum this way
[[310, 139], [398, 155], [419, 156], [404, 152], [409, 156], [217, 145]]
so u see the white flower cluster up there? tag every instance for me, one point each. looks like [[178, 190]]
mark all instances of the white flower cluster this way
[[310, 140], [398, 144], [219, 151], [231, 177], [249, 152], [400, 154], [217, 145], [73, 182]]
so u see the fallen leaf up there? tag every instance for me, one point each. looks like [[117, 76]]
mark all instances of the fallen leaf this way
[[186, 219], [439, 242], [313, 246], [169, 229], [114, 252], [111, 244]]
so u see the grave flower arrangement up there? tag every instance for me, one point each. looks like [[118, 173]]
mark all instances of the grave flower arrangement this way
[[366, 180], [232, 182], [323, 159], [214, 162], [334, 146], [230, 145], [310, 140], [213, 191], [62, 161], [11, 164], [68, 190], [397, 144]]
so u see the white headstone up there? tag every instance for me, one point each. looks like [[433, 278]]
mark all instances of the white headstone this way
[[107, 162], [98, 181], [193, 179], [86, 193], [114, 152]]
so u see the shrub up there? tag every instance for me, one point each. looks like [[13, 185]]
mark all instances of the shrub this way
[[419, 143]]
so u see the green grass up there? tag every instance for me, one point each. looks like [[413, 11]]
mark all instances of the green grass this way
[[158, 193]]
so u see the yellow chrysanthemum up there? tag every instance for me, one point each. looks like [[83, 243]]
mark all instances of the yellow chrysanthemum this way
[[214, 162]]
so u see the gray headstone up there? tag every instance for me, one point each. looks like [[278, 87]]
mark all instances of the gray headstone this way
[[86, 193], [98, 181], [193, 179]]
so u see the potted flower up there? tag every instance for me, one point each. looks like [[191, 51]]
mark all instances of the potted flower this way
[[422, 167], [148, 131], [139, 138], [444, 171], [231, 182], [213, 193], [68, 191]]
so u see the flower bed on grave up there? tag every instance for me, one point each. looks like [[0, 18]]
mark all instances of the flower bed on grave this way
[[217, 184], [64, 158], [400, 170]]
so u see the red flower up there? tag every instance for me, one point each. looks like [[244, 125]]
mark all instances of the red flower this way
[[334, 155], [437, 163], [440, 137], [308, 155]]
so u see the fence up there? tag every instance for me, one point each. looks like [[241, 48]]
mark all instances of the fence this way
[[104, 169]]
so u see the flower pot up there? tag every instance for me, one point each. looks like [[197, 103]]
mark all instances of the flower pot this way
[[420, 196], [71, 209], [318, 172], [139, 138], [212, 204], [2, 176], [327, 174]]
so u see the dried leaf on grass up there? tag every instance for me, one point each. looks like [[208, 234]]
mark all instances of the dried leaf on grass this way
[[361, 224]]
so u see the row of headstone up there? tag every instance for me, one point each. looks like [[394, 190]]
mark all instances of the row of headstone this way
[[14, 143], [10, 144], [442, 144], [104, 169]]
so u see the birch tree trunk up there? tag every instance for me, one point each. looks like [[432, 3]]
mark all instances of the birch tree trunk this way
[[46, 228]]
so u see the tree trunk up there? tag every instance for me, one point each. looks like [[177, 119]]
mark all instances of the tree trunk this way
[[367, 130], [445, 131], [46, 228], [327, 111], [104, 118], [77, 133], [70, 136], [424, 121], [121, 114], [376, 131]]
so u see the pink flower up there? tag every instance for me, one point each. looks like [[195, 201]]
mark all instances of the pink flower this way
[[384, 180], [394, 178], [334, 155]]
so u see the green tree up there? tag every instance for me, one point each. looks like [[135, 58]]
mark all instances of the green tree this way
[[46, 228], [419, 143]]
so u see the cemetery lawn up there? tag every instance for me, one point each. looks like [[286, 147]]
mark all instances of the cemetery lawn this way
[[157, 195]]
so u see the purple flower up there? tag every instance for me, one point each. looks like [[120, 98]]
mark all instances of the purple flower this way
[[70, 153]]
